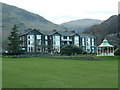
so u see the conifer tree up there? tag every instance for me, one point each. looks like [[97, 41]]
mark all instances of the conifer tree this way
[[14, 42]]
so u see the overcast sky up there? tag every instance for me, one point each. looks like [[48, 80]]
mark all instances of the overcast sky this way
[[59, 11]]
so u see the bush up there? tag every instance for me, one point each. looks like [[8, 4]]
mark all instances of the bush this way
[[117, 51], [71, 50], [84, 52]]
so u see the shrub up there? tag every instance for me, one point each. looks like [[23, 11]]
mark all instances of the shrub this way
[[71, 50], [84, 52]]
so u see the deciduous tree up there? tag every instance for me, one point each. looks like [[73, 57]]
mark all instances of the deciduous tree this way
[[71, 50]]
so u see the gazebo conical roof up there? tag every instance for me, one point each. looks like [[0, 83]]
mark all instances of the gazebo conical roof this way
[[105, 44]]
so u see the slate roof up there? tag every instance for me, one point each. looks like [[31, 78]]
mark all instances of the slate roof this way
[[63, 33], [66, 33], [86, 35]]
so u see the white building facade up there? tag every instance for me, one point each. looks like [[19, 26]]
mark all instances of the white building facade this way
[[52, 42], [88, 43]]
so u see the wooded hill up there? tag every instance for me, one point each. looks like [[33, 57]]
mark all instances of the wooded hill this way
[[110, 26]]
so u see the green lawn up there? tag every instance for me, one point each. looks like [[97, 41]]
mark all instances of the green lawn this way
[[60, 73]]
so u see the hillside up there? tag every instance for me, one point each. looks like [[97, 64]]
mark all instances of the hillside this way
[[100, 31], [81, 25], [23, 19], [12, 15]]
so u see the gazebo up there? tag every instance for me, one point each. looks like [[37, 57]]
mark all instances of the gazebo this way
[[105, 49]]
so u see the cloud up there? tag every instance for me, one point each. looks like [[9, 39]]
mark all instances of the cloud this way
[[59, 11]]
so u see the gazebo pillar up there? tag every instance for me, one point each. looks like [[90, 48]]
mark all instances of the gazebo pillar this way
[[110, 49], [97, 51], [107, 50], [113, 49], [101, 51]]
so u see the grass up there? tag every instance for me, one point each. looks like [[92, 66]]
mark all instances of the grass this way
[[60, 73]]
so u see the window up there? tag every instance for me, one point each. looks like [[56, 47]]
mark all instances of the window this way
[[46, 43], [46, 37], [23, 38], [88, 46], [70, 37], [38, 42], [28, 36], [57, 39], [76, 40], [50, 37], [38, 49], [65, 37], [38, 36], [88, 41], [29, 49], [83, 42], [32, 42], [92, 41], [56, 43], [28, 42], [93, 49], [32, 36]]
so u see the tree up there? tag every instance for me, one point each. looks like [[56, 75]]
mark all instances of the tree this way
[[117, 51], [71, 50], [14, 42]]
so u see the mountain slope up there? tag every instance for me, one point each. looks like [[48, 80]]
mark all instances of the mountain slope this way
[[81, 25], [109, 26], [12, 15]]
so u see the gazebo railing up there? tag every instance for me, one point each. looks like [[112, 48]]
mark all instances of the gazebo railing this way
[[105, 54]]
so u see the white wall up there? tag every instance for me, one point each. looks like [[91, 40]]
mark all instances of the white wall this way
[[56, 43], [30, 43], [76, 40]]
